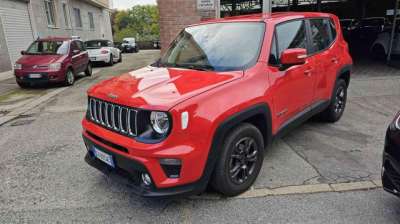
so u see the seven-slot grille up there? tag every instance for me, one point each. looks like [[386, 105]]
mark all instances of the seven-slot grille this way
[[117, 118]]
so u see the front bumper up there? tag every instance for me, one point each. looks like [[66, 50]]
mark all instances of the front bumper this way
[[46, 77], [131, 169], [391, 163]]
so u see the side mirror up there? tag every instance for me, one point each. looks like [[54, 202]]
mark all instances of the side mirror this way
[[23, 52], [295, 56]]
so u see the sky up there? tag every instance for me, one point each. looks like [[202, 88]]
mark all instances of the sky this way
[[125, 4]]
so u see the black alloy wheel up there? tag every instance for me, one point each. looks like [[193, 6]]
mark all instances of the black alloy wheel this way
[[240, 160], [243, 160]]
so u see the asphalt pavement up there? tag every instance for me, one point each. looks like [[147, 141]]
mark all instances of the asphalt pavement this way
[[43, 178]]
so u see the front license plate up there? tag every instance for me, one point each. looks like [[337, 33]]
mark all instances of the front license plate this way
[[108, 159], [93, 59], [35, 76]]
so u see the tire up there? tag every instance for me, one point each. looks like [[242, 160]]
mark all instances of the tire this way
[[88, 71], [69, 78], [239, 161], [120, 58], [378, 52], [111, 62], [23, 85], [337, 103]]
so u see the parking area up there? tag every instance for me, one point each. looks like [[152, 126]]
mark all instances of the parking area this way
[[45, 173]]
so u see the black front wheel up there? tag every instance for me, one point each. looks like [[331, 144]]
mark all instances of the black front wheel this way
[[69, 78], [240, 160], [23, 85], [378, 52]]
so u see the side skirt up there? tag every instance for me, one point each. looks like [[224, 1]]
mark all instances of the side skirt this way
[[301, 118]]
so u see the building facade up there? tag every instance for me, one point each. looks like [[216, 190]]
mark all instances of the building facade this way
[[22, 21], [177, 14]]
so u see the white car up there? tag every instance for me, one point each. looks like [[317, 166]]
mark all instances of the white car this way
[[380, 47], [103, 51]]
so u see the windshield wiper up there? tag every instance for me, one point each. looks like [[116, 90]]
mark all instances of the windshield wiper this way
[[196, 67]]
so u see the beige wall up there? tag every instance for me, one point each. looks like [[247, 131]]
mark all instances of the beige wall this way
[[104, 3], [102, 24]]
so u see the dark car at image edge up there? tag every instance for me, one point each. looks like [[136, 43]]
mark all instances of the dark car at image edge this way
[[391, 158]]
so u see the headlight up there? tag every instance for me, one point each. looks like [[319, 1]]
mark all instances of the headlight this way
[[55, 66], [160, 122], [17, 66]]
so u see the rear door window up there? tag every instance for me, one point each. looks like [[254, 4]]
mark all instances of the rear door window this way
[[333, 30], [321, 34]]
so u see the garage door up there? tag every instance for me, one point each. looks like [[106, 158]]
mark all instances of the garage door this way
[[17, 29]]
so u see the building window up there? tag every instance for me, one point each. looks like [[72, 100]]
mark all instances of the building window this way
[[78, 18], [91, 20], [66, 15], [50, 14]]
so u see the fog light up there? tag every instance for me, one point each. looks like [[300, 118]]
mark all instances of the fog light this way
[[146, 179], [171, 167]]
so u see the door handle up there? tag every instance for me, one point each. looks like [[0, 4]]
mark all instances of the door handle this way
[[334, 60], [308, 72]]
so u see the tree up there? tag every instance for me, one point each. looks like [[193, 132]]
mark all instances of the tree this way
[[140, 22]]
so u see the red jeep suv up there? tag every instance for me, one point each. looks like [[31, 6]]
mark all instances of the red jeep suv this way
[[52, 59], [204, 113]]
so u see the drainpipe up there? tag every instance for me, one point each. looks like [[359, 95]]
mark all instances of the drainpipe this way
[[392, 36], [31, 20]]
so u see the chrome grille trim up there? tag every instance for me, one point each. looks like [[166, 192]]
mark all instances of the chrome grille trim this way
[[109, 115]]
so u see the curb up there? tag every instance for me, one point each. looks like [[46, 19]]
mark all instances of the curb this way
[[313, 188], [6, 75], [17, 112], [299, 189]]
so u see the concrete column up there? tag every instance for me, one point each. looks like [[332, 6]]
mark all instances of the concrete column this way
[[266, 6], [217, 9]]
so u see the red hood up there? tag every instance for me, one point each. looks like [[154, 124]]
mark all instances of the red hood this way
[[159, 88], [40, 59]]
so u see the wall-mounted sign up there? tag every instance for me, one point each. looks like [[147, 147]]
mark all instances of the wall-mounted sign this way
[[205, 4], [390, 12]]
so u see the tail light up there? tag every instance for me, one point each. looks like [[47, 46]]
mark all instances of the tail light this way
[[104, 51]]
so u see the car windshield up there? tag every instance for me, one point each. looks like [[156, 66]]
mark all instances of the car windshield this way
[[95, 44], [217, 46], [48, 47]]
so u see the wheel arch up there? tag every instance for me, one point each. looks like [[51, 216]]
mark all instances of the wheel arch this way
[[344, 73], [379, 44], [259, 115]]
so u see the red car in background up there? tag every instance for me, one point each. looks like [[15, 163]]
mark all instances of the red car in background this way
[[52, 60]]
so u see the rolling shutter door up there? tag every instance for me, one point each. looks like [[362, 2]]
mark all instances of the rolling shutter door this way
[[17, 30]]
